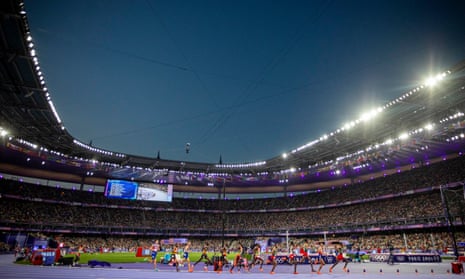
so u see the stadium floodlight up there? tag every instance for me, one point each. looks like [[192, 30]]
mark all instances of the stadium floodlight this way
[[429, 127], [403, 136], [3, 132], [348, 126], [284, 155], [369, 115], [432, 81]]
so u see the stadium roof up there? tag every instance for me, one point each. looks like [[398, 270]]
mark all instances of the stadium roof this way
[[27, 113]]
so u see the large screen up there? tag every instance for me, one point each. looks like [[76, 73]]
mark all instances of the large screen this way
[[146, 191], [155, 192], [121, 189]]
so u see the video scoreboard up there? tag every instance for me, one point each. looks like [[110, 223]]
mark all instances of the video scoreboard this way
[[130, 190]]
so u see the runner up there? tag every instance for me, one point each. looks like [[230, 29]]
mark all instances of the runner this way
[[155, 248], [257, 259], [239, 260], [292, 256], [223, 259], [320, 259], [185, 256], [339, 258], [174, 260], [205, 257], [274, 252], [306, 254]]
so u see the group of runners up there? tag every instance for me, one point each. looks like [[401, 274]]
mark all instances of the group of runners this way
[[299, 255], [296, 255]]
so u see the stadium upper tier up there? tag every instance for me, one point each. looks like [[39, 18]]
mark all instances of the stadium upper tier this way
[[424, 122]]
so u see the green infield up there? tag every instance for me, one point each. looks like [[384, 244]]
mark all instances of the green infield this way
[[130, 257]]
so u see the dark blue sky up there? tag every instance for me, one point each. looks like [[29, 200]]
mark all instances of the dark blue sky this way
[[247, 80]]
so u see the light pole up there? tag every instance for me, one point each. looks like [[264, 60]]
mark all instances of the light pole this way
[[450, 222], [223, 212], [221, 206]]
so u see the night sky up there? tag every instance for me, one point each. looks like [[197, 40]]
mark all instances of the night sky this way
[[244, 80]]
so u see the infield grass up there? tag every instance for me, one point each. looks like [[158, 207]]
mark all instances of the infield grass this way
[[130, 257]]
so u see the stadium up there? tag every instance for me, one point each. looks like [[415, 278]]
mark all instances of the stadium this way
[[393, 187]]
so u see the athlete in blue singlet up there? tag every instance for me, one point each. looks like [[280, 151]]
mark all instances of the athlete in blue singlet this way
[[155, 248]]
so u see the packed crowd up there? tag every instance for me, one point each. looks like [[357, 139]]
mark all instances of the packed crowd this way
[[379, 203], [425, 207]]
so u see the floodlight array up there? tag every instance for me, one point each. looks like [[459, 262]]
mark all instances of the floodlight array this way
[[37, 68], [365, 117], [242, 166], [368, 116], [98, 150], [27, 143]]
